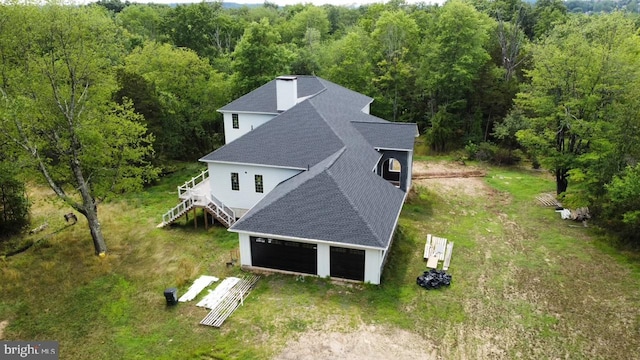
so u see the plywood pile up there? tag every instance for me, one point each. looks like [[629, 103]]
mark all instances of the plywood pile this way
[[197, 286]]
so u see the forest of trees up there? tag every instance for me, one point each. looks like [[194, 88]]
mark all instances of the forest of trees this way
[[100, 104]]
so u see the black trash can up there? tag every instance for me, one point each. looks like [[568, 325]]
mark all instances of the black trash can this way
[[171, 294]]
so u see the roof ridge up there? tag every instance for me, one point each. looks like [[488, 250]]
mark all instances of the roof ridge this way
[[309, 97], [336, 132], [382, 123]]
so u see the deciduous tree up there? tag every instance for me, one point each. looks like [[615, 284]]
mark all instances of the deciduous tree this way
[[57, 82], [453, 55], [580, 89], [188, 92], [259, 57]]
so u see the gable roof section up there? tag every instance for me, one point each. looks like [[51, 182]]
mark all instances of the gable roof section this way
[[263, 99], [332, 202], [386, 135], [298, 138]]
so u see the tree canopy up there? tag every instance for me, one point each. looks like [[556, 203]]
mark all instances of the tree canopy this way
[[546, 84], [58, 76]]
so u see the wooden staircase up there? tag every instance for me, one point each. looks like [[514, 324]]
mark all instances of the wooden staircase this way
[[192, 199], [220, 212]]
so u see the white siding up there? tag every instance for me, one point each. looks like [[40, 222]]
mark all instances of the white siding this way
[[366, 108], [324, 260], [245, 249], [246, 197], [373, 266], [410, 170], [246, 122]]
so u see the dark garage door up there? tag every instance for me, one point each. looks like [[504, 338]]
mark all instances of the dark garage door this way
[[284, 255], [347, 263]]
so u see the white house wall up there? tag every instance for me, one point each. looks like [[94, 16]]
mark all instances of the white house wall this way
[[410, 176], [246, 197], [246, 122], [373, 266], [245, 249], [324, 260]]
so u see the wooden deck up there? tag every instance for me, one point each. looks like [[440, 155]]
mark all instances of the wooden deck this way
[[195, 194]]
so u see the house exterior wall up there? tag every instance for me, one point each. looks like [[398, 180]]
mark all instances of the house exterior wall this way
[[410, 160], [405, 158], [324, 260], [373, 258], [246, 123], [245, 249], [246, 197], [373, 266]]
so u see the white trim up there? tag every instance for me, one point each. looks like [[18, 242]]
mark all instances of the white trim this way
[[309, 241], [250, 164], [375, 167], [392, 149], [247, 112], [395, 224]]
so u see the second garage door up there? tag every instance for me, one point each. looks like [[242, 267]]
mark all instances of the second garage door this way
[[347, 263]]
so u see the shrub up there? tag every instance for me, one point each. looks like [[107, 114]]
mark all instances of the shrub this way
[[14, 207], [493, 153]]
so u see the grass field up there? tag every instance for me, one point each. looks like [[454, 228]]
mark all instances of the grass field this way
[[525, 283]]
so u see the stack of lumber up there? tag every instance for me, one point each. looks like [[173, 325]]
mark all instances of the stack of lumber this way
[[548, 199], [227, 300]]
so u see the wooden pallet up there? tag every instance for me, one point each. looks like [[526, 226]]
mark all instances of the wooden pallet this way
[[230, 302], [437, 249], [435, 246], [547, 200]]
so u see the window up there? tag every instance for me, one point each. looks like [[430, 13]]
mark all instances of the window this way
[[259, 184], [235, 182], [394, 165], [235, 121]]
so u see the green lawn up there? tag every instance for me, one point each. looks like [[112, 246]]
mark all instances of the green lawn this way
[[525, 283]]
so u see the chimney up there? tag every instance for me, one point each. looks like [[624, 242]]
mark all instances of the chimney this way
[[286, 92]]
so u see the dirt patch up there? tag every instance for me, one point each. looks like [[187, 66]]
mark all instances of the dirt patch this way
[[429, 170], [450, 178], [366, 343], [469, 186], [3, 325]]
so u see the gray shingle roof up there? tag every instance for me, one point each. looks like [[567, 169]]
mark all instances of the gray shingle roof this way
[[339, 198], [298, 138], [388, 135], [263, 99], [332, 202]]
